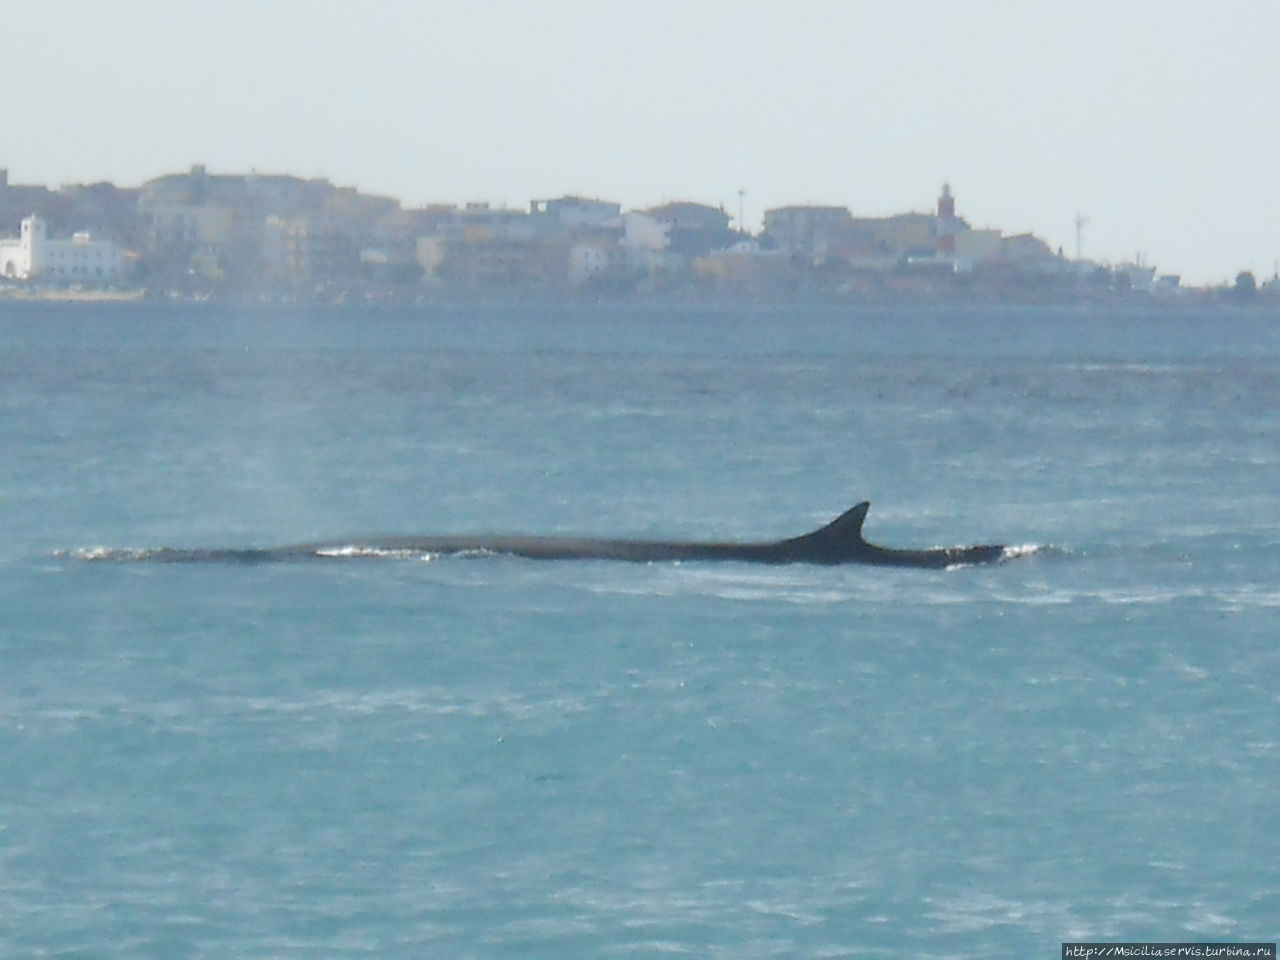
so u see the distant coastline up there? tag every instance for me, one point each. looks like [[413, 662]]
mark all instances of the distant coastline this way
[[1195, 300], [280, 238]]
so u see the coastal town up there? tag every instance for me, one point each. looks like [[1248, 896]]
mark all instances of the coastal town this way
[[200, 235]]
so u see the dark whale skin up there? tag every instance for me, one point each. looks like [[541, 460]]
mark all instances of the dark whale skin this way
[[839, 542]]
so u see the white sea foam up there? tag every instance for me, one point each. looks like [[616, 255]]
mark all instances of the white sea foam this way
[[86, 553], [104, 553], [355, 551], [1022, 550], [1249, 595]]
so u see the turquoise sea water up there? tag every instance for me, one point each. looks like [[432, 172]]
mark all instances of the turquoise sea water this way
[[490, 757]]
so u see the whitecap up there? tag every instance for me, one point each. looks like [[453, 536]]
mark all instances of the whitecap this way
[[100, 553], [1015, 551], [357, 551]]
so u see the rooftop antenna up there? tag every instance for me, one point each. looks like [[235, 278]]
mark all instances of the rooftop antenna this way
[[1081, 220]]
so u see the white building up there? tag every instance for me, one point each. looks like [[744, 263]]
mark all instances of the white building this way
[[586, 260], [578, 211], [33, 256], [644, 231]]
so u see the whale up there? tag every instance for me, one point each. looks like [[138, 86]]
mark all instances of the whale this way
[[838, 542]]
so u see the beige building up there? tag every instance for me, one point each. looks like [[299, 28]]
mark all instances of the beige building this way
[[806, 232], [188, 224], [880, 242], [1024, 248], [974, 247]]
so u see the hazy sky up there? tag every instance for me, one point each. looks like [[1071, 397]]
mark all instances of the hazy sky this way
[[1155, 120]]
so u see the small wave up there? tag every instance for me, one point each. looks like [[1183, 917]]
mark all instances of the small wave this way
[[1123, 367], [1248, 595], [1012, 552], [116, 554], [356, 551], [1018, 551], [235, 555]]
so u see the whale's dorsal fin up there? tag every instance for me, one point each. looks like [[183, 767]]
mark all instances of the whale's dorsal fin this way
[[837, 542], [847, 527]]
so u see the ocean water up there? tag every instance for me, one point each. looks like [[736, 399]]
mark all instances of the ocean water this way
[[480, 757]]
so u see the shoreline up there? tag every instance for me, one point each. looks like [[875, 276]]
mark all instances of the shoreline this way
[[73, 295], [808, 299]]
